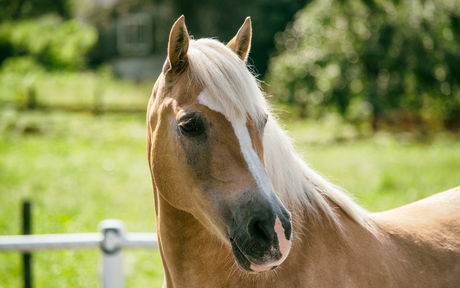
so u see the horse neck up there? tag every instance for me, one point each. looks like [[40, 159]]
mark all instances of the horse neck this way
[[332, 256], [189, 252]]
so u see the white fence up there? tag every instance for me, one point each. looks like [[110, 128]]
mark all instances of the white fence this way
[[111, 240]]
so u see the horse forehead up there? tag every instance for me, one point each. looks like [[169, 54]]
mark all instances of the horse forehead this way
[[181, 89], [240, 126], [186, 93]]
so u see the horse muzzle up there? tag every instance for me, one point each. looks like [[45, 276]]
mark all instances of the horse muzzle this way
[[264, 245]]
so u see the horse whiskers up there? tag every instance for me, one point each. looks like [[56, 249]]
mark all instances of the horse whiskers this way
[[233, 270]]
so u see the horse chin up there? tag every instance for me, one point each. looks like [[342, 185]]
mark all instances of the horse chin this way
[[244, 264]]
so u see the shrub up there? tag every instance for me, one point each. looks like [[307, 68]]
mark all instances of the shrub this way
[[374, 58], [53, 43]]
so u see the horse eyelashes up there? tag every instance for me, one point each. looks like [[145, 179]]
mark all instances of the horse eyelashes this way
[[189, 126], [192, 127]]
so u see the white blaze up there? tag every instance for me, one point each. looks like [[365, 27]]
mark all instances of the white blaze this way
[[258, 172], [242, 133]]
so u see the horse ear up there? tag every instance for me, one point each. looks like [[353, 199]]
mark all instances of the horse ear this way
[[241, 43], [178, 45]]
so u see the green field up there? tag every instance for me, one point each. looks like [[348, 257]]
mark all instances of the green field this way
[[78, 169]]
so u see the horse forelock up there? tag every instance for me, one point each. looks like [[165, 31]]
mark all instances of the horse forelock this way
[[232, 90], [226, 79]]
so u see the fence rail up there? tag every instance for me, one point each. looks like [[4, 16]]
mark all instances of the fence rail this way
[[111, 240], [30, 243]]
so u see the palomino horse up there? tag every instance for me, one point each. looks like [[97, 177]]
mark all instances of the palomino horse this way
[[231, 192]]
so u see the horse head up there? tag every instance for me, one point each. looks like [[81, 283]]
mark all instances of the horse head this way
[[206, 122]]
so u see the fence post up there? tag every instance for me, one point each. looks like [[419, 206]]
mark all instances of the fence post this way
[[27, 257], [112, 253]]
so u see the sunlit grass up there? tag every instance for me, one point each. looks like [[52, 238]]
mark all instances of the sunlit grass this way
[[383, 176]]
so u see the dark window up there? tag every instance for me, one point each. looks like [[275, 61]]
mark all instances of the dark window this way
[[134, 34]]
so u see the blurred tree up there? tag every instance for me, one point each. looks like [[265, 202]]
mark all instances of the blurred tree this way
[[24, 9], [386, 59]]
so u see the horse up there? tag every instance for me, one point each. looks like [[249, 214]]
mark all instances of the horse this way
[[236, 206]]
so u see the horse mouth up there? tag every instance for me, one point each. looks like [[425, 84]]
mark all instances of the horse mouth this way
[[244, 264]]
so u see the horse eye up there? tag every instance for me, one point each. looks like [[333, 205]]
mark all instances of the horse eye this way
[[192, 125], [188, 126]]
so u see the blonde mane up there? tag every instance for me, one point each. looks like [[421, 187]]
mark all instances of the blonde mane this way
[[237, 92]]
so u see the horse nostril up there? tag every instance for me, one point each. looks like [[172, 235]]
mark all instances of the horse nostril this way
[[261, 232]]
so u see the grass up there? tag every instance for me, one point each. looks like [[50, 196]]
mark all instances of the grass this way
[[384, 171], [79, 169]]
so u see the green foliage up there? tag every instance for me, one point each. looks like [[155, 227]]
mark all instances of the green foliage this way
[[371, 58], [51, 42]]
